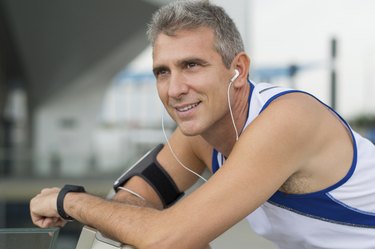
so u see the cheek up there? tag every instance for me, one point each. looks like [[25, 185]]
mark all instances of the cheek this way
[[219, 101]]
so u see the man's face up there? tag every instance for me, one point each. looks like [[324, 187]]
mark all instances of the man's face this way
[[192, 79]]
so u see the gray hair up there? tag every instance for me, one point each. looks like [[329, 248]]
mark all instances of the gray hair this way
[[183, 15]]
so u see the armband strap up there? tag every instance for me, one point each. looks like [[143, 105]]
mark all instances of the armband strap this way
[[149, 169]]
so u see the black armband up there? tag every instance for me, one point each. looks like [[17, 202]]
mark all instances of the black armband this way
[[149, 169]]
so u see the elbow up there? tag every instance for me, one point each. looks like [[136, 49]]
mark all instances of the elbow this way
[[167, 231], [160, 239], [171, 238]]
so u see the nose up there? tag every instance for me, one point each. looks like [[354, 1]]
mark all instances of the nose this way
[[177, 86]]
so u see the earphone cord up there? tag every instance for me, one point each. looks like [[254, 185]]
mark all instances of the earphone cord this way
[[174, 155], [170, 147], [230, 110]]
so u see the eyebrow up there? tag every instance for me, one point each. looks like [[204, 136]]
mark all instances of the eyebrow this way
[[183, 62], [157, 69]]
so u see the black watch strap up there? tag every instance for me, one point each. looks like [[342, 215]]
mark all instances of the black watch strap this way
[[60, 199]]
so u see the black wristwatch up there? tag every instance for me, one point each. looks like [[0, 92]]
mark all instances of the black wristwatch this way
[[60, 199]]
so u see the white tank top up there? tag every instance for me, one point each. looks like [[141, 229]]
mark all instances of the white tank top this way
[[341, 216]]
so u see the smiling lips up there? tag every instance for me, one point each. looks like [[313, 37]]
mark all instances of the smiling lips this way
[[187, 107]]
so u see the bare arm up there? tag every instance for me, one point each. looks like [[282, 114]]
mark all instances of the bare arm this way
[[271, 150], [43, 206], [189, 151]]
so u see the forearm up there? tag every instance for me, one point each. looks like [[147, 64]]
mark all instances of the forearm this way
[[130, 199], [129, 224], [142, 227]]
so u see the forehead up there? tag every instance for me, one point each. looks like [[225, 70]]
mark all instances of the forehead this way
[[185, 43]]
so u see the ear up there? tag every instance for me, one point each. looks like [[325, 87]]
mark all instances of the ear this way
[[242, 63]]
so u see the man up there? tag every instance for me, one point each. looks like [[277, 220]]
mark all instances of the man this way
[[280, 157]]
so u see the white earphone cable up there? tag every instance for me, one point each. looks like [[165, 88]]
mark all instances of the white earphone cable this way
[[230, 110], [170, 147], [174, 155], [132, 192]]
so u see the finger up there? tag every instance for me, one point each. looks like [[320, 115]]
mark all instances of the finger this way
[[36, 219], [39, 222], [59, 222], [51, 222]]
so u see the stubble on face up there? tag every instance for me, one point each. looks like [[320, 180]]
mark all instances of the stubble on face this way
[[191, 79]]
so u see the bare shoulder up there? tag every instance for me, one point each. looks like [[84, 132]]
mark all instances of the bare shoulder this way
[[301, 114], [324, 141]]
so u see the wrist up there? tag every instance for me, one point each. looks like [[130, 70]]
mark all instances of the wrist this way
[[61, 197]]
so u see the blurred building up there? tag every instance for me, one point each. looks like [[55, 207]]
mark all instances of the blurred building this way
[[57, 61], [78, 101]]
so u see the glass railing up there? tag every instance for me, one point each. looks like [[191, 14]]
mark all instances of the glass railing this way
[[28, 238]]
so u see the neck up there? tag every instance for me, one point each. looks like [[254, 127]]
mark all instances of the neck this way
[[223, 136]]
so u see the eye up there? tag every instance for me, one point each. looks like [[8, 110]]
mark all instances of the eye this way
[[160, 72], [191, 65]]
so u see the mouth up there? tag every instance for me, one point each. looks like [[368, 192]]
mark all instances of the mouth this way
[[187, 107]]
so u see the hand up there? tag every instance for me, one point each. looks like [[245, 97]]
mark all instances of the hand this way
[[43, 209]]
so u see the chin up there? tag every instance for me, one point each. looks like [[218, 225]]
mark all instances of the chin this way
[[190, 131], [190, 134]]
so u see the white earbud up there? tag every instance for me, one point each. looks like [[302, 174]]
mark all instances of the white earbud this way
[[236, 74]]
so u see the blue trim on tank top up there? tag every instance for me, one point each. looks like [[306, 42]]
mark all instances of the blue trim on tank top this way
[[354, 161], [320, 204]]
